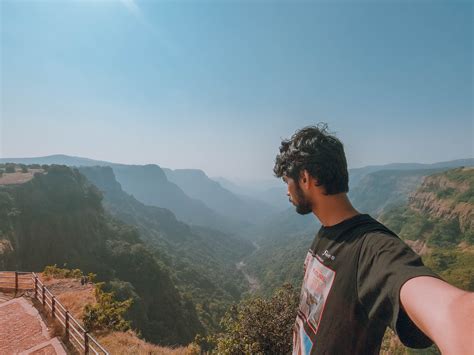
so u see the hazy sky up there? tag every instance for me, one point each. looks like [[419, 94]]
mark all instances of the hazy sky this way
[[215, 85]]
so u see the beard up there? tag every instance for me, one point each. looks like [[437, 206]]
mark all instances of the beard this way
[[303, 205]]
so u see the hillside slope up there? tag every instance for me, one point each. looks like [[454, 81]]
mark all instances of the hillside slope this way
[[385, 189], [438, 223], [58, 218], [149, 184], [202, 260]]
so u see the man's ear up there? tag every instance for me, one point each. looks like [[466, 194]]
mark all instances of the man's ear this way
[[305, 178]]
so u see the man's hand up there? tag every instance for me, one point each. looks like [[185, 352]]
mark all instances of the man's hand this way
[[443, 312]]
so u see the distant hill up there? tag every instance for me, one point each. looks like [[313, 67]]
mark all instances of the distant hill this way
[[360, 180], [440, 213], [247, 186], [355, 175], [149, 184], [273, 194], [58, 218], [384, 189], [196, 184], [57, 159], [202, 260]]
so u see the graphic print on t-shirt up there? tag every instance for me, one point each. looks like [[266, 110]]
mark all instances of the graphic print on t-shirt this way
[[317, 283], [302, 343]]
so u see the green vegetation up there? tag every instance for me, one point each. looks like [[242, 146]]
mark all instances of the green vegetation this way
[[280, 261], [451, 248], [201, 260], [54, 271], [170, 281], [414, 222], [462, 178], [455, 265], [382, 190], [257, 326], [107, 313], [58, 218], [9, 168]]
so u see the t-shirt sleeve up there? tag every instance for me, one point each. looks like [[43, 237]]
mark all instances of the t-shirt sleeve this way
[[385, 264]]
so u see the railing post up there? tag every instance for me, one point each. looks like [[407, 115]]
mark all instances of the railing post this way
[[67, 324], [53, 306], [36, 287], [16, 281], [44, 299], [86, 343]]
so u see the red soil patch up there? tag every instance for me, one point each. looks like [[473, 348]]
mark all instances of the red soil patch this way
[[18, 177]]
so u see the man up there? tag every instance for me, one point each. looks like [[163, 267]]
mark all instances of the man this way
[[359, 276]]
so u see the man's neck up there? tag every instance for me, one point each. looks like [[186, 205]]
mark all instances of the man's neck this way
[[333, 209]]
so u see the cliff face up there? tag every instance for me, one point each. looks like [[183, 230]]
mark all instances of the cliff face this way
[[58, 218], [437, 223], [447, 196], [202, 261]]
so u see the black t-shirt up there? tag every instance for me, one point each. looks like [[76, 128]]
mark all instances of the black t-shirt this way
[[351, 290]]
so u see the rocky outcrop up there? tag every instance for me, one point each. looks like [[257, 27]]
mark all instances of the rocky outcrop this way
[[440, 196]]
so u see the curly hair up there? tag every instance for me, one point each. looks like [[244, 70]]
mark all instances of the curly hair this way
[[313, 149]]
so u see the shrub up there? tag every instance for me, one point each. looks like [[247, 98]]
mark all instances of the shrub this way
[[107, 313], [91, 277], [258, 325], [10, 168], [54, 271]]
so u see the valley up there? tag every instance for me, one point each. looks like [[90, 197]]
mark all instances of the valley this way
[[186, 250]]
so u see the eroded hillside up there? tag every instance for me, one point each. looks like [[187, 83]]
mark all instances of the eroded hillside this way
[[448, 196]]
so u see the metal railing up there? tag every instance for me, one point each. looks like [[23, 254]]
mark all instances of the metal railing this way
[[74, 331]]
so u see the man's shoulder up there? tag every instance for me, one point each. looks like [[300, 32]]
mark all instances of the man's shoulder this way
[[376, 230]]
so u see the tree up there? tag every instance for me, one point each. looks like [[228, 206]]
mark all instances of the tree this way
[[260, 326], [10, 168], [107, 313]]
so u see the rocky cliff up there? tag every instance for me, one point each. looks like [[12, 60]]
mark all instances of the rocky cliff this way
[[447, 196]]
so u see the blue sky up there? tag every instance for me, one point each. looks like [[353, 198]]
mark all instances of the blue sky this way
[[216, 85]]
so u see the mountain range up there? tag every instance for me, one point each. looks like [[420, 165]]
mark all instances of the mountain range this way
[[201, 260], [172, 239]]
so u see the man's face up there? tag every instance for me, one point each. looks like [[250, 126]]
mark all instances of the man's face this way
[[297, 197]]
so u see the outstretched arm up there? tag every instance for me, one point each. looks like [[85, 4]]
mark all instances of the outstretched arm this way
[[443, 312]]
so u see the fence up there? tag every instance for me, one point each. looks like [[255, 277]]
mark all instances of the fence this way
[[74, 332]]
